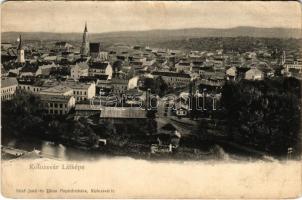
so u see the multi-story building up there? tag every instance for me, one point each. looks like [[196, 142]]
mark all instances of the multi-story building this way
[[183, 66], [293, 65], [82, 91], [173, 78], [254, 74], [29, 85], [100, 68], [79, 70], [95, 49], [58, 90], [57, 104], [119, 86], [44, 70], [231, 73], [8, 88]]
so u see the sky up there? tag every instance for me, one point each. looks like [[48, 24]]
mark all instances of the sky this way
[[63, 16]]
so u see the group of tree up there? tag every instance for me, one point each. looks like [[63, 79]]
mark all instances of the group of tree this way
[[23, 117], [264, 114], [156, 85], [239, 44]]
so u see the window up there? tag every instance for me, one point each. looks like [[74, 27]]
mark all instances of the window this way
[[56, 105], [84, 93], [51, 104], [61, 105]]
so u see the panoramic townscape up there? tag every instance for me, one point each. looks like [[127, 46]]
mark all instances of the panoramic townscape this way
[[180, 98]]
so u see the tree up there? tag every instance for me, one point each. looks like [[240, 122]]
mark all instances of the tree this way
[[157, 86], [263, 114], [22, 114]]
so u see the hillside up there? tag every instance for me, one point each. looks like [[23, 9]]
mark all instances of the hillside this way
[[158, 35]]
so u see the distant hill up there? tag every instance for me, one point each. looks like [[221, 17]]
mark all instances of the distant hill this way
[[158, 35]]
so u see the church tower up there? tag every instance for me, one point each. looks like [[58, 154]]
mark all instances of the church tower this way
[[20, 51], [85, 43]]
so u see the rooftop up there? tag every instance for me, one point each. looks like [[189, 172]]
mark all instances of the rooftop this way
[[171, 74], [55, 98], [7, 82], [123, 112], [57, 89], [93, 78], [77, 85], [99, 65], [86, 107]]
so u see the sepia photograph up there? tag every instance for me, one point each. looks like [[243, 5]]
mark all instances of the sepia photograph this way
[[142, 99]]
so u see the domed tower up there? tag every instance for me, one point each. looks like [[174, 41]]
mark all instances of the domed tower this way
[[85, 43], [20, 52]]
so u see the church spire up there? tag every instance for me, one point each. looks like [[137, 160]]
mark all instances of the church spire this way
[[85, 30], [20, 51], [85, 42], [20, 43]]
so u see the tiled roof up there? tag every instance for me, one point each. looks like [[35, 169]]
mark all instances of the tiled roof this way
[[86, 107], [55, 98], [29, 68], [57, 89], [98, 65], [123, 112], [7, 82], [77, 85], [184, 63], [93, 78], [171, 74], [119, 81]]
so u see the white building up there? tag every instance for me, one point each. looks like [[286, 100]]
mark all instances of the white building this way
[[119, 86], [296, 65], [100, 68], [133, 82], [45, 69], [254, 74], [32, 88], [8, 88], [78, 70], [82, 91], [231, 73], [183, 66], [172, 78], [57, 104], [59, 90]]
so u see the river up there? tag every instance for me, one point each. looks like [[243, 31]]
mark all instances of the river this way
[[52, 150]]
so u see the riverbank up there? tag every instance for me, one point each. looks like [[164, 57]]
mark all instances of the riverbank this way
[[62, 151]]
